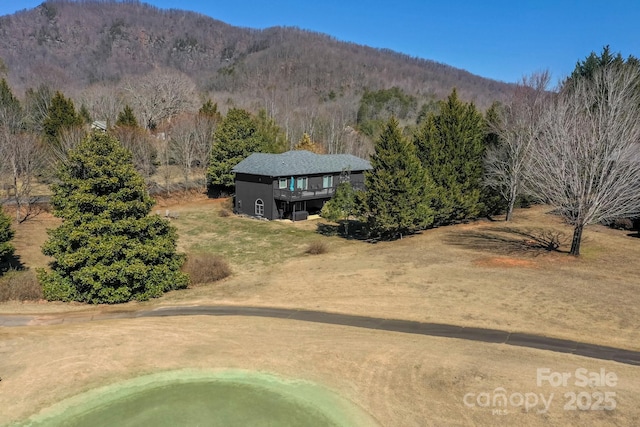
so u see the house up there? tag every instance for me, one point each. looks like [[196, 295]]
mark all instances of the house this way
[[100, 125], [292, 184]]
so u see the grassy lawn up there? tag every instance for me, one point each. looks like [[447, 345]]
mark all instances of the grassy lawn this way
[[246, 243], [484, 274]]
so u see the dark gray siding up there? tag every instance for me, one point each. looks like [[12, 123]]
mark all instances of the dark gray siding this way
[[250, 188]]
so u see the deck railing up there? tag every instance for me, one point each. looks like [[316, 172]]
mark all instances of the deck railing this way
[[309, 194]]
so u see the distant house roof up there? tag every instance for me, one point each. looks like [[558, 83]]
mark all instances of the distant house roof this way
[[99, 124], [299, 162]]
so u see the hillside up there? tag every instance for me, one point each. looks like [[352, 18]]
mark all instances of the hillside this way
[[305, 80]]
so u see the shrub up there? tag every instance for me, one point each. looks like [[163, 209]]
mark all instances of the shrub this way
[[317, 248], [20, 286], [206, 268]]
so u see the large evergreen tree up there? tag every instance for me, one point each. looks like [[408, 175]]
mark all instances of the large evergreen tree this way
[[126, 118], [594, 62], [6, 234], [235, 138], [11, 115], [450, 147], [342, 205], [398, 198], [108, 248], [61, 115]]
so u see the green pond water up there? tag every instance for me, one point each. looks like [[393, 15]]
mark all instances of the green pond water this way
[[229, 398]]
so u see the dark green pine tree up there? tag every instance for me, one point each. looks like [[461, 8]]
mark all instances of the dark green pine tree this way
[[84, 114], [10, 110], [126, 118], [6, 234], [235, 138], [7, 100], [398, 195], [210, 110], [61, 115], [493, 203], [108, 248], [451, 148], [342, 205]]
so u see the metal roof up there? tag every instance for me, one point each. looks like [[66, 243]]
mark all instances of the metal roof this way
[[299, 162]]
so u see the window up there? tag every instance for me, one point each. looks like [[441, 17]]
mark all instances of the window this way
[[327, 181], [282, 183], [301, 183], [259, 207]]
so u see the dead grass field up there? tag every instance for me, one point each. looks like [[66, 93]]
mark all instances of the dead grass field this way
[[401, 380], [484, 274]]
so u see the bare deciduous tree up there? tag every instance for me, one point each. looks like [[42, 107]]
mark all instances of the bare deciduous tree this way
[[24, 157], [190, 146], [586, 162], [142, 148], [204, 128], [102, 102], [183, 146], [69, 139], [160, 95], [518, 126]]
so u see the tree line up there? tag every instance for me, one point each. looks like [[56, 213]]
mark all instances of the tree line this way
[[576, 148]]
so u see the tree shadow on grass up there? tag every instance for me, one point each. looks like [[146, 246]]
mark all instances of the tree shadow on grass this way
[[509, 240], [12, 262], [348, 229]]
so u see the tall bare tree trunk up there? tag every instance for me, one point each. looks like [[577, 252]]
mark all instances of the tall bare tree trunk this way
[[512, 203], [577, 238]]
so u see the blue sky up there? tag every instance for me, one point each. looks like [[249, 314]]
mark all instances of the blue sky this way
[[499, 39]]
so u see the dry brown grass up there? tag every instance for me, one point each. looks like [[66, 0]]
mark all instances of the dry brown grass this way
[[485, 274], [402, 380], [20, 286], [317, 248], [205, 268]]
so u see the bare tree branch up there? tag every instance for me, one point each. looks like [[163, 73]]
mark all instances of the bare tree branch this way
[[586, 162], [518, 127]]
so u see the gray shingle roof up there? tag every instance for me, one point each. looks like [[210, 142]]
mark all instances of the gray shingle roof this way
[[299, 162]]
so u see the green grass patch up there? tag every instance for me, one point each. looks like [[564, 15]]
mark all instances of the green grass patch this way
[[242, 241]]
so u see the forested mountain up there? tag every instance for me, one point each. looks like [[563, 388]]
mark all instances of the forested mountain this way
[[307, 82]]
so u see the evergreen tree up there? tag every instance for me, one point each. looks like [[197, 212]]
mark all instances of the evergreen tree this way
[[7, 100], [61, 115], [37, 103], [493, 203], [108, 248], [126, 118], [273, 139], [594, 62], [209, 109], [450, 147], [341, 206], [235, 138], [398, 197], [6, 234], [84, 114], [10, 110], [305, 143]]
